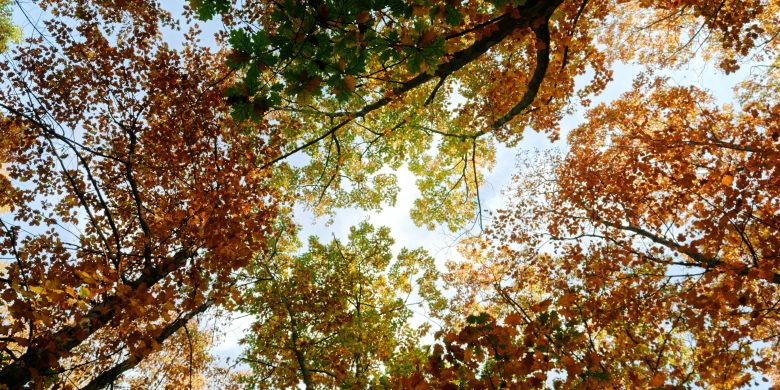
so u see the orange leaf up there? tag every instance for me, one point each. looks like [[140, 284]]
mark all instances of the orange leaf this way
[[658, 380], [349, 82]]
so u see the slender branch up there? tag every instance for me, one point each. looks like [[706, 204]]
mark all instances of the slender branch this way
[[699, 259], [137, 199], [430, 98], [476, 27], [476, 181]]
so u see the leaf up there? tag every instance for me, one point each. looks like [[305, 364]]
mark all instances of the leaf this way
[[37, 289], [565, 300], [427, 37], [513, 319], [349, 82], [658, 379], [87, 278], [363, 17], [84, 293]]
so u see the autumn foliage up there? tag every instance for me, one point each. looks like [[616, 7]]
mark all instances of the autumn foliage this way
[[146, 182], [131, 189], [337, 314]]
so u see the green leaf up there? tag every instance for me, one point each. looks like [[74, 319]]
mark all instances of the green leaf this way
[[207, 9], [479, 319], [84, 292]]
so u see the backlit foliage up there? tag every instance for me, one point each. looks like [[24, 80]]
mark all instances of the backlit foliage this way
[[645, 256], [433, 85], [146, 181], [337, 315], [129, 187]]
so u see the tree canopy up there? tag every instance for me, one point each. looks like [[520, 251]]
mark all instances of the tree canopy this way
[[147, 182], [338, 313]]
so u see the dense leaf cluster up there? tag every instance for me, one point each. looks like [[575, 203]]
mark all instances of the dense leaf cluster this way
[[145, 183]]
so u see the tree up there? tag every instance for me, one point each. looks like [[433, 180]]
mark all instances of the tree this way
[[367, 87], [336, 315], [588, 321], [435, 84], [673, 282], [8, 33], [382, 73], [181, 359], [130, 188], [136, 191]]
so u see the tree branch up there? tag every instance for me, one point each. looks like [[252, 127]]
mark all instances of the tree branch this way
[[534, 12], [109, 376], [699, 259], [542, 62], [43, 352]]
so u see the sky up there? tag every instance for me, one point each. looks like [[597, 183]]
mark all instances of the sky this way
[[441, 243]]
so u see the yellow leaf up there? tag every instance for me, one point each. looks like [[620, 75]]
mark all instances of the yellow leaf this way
[[727, 180], [84, 276]]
